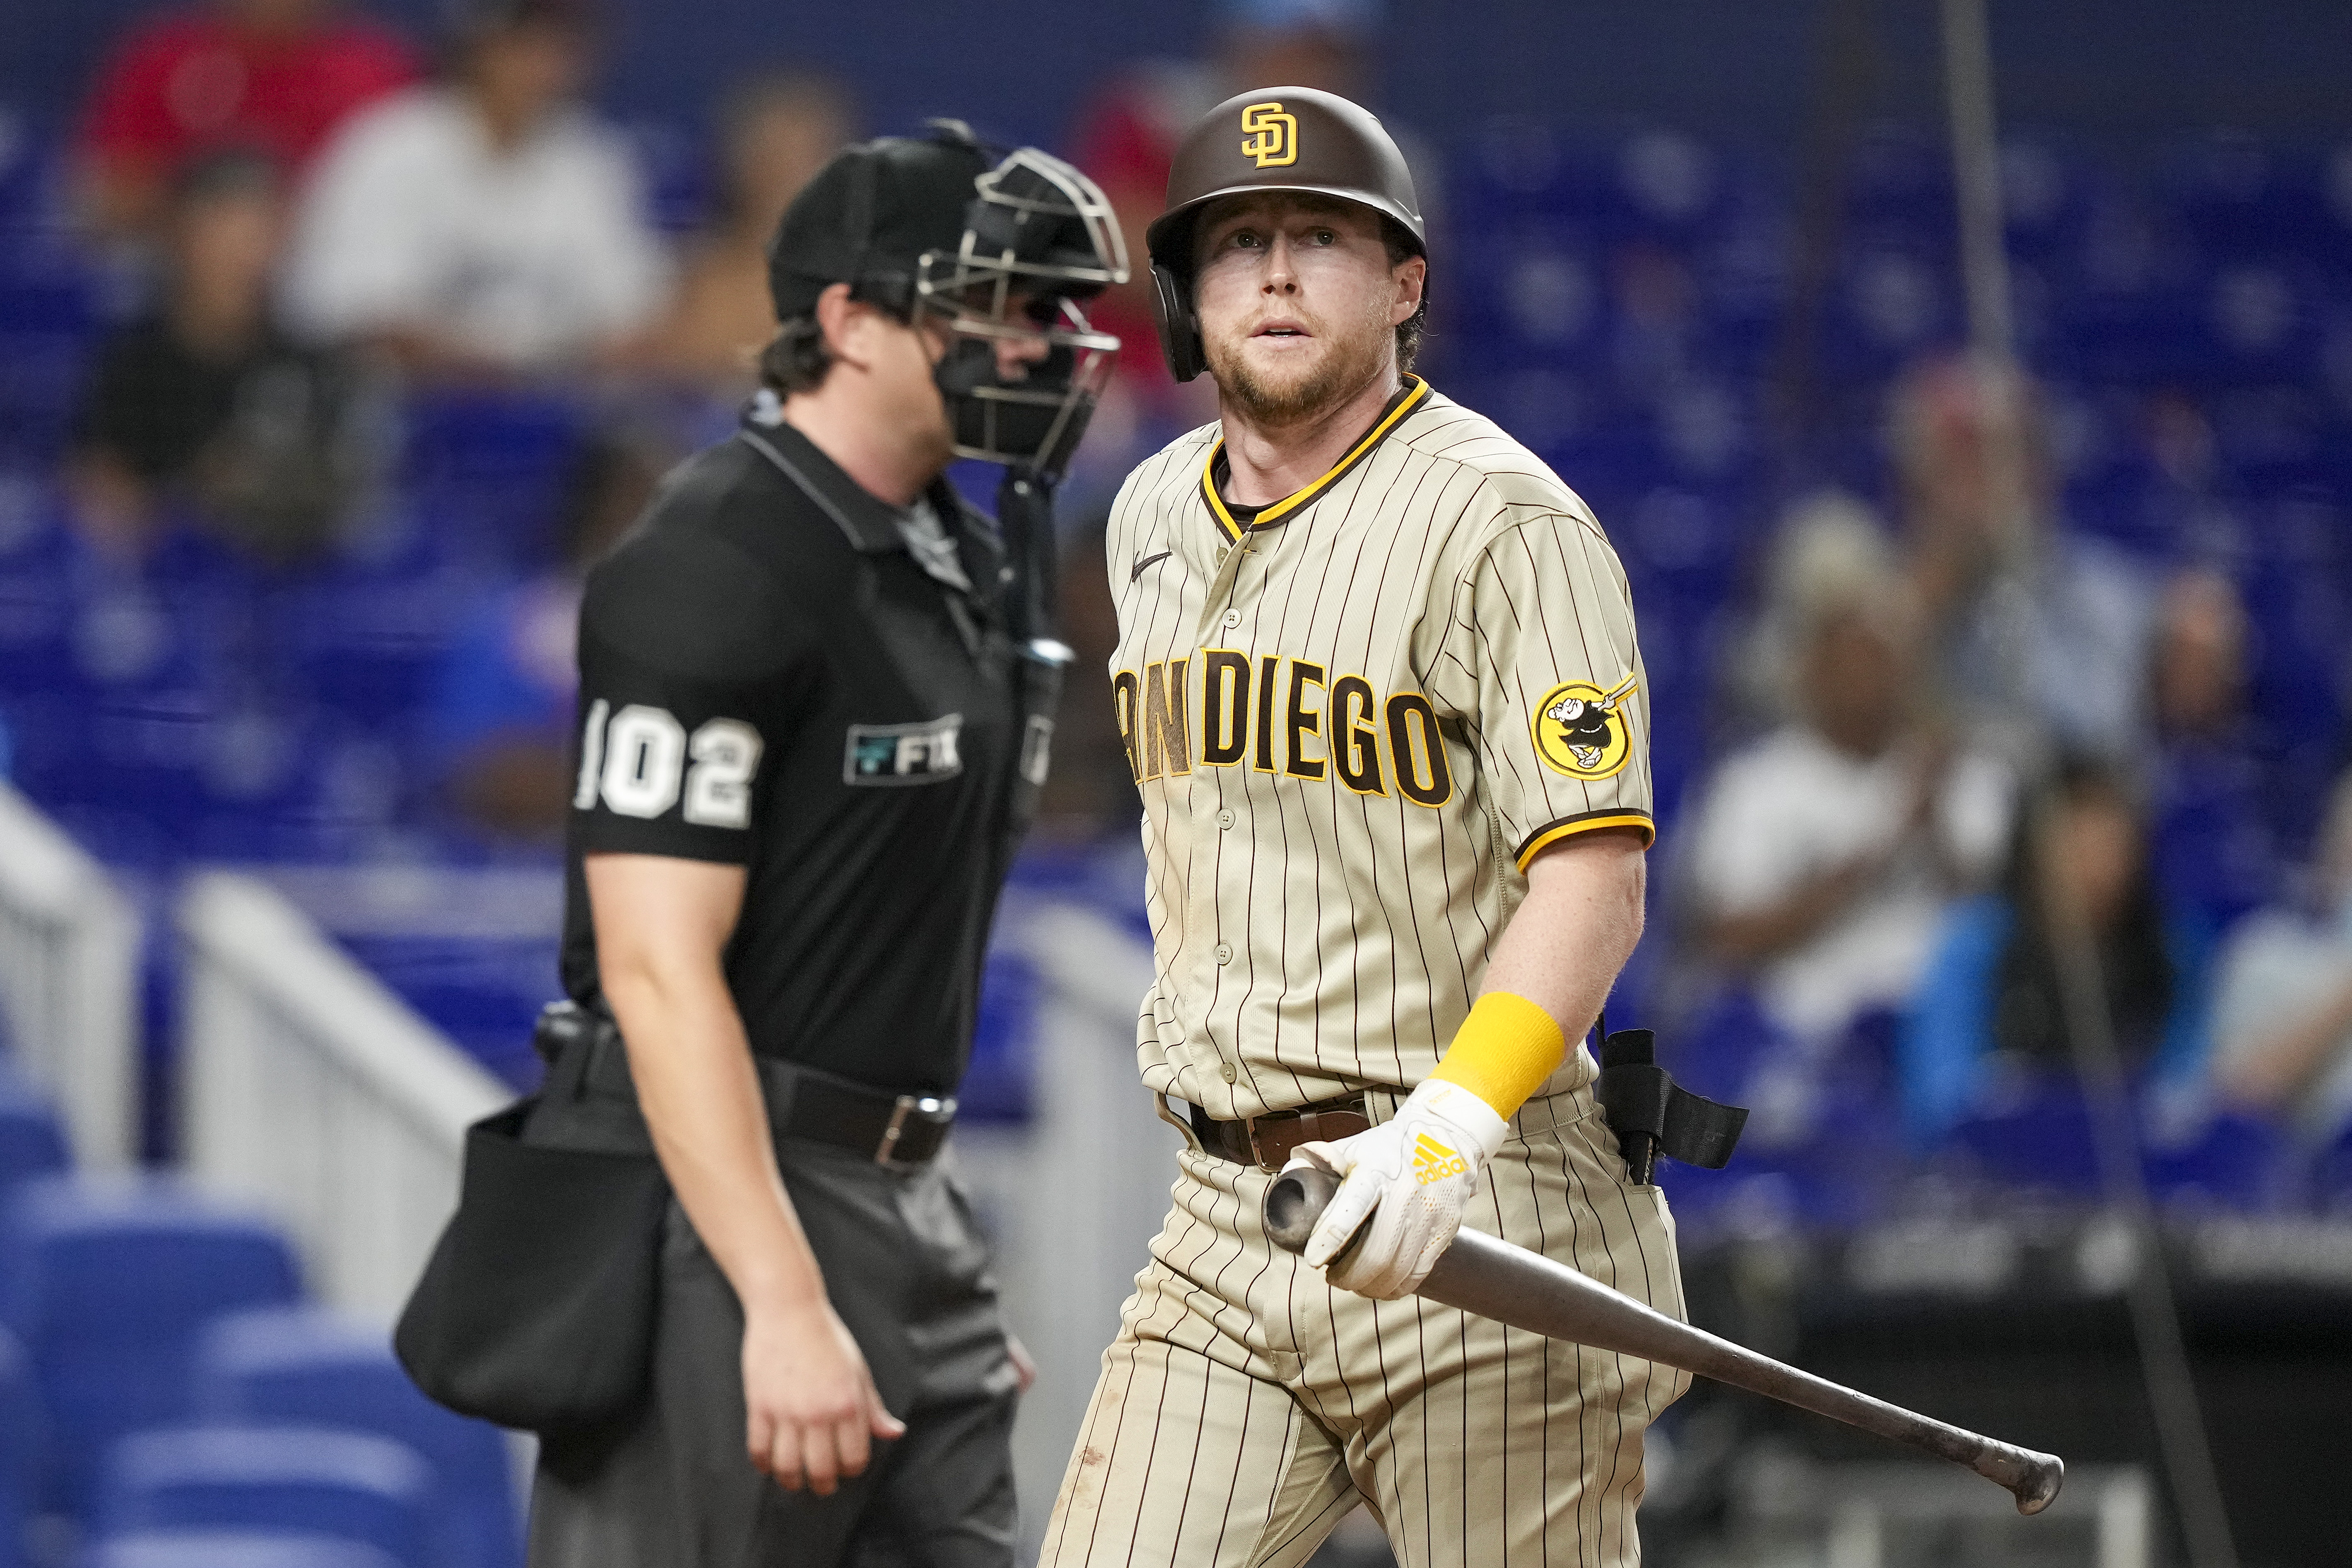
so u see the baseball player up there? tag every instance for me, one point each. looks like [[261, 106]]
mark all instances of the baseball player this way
[[1378, 682]]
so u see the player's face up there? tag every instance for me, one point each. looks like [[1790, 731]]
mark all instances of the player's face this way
[[1299, 303]]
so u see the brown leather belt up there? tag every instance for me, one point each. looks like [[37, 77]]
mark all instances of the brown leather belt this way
[[1267, 1141]]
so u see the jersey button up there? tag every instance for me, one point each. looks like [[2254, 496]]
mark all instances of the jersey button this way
[[1226, 818], [1225, 952], [1231, 1072], [1233, 617]]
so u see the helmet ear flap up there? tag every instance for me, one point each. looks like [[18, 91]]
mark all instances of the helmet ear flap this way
[[1180, 330]]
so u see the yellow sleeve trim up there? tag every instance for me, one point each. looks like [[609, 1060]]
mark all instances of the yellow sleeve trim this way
[[1545, 838], [1504, 1051]]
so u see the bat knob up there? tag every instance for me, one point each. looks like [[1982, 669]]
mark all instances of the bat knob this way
[[2033, 1478], [1294, 1202]]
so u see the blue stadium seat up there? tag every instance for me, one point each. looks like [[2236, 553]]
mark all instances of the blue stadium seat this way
[[355, 1486], [32, 1139], [108, 1285], [485, 994], [2328, 1180], [233, 1548], [486, 472], [2042, 1141], [20, 1448], [306, 1365], [2236, 1162]]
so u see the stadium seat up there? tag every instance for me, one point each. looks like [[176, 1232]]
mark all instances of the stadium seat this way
[[2042, 1141], [2235, 1162], [355, 1486], [108, 1285], [307, 1365], [32, 1139], [233, 1548], [20, 1448]]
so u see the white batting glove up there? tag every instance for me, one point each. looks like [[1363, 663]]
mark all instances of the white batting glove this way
[[1411, 1175]]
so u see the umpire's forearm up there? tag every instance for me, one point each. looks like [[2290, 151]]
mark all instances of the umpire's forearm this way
[[1579, 925], [661, 926], [701, 1099]]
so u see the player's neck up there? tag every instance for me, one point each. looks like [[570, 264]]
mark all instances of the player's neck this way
[[1267, 462]]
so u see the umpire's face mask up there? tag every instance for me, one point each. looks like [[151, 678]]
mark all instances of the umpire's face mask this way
[[1032, 412], [1038, 240]]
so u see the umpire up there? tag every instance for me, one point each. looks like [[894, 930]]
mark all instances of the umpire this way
[[815, 694]]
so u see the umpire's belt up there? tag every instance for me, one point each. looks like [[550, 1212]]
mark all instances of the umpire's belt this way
[[1268, 1140], [900, 1130], [896, 1129]]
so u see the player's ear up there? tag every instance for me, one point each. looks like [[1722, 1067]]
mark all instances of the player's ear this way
[[1412, 275]]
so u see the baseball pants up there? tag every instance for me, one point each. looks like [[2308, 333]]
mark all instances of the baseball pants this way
[[672, 1486], [1245, 1406]]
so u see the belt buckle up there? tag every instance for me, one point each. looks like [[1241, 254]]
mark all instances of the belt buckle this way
[[1363, 1097], [929, 1108]]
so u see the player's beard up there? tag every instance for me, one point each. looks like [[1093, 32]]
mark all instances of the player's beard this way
[[1352, 355]]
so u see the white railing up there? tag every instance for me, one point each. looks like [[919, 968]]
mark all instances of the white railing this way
[[70, 945], [312, 1088]]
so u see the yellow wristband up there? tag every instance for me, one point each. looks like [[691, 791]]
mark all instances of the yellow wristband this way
[[1504, 1051]]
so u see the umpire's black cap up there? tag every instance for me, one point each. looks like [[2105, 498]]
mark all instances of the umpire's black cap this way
[[871, 213]]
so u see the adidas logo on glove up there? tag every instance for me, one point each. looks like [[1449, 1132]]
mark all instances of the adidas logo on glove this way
[[1433, 1162]]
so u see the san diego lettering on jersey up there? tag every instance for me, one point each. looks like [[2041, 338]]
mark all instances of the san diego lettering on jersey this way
[[1277, 715]]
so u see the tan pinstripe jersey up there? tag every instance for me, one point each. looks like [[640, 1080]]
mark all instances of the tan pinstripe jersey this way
[[1355, 717]]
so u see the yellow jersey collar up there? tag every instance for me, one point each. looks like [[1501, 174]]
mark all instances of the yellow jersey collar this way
[[1415, 392]]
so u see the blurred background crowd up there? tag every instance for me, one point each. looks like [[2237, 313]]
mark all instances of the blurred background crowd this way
[[336, 339]]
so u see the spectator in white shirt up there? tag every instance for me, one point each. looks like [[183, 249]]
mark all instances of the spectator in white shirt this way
[[485, 227], [1827, 851], [2282, 1015]]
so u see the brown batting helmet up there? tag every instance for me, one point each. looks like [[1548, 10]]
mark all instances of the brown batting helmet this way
[[1274, 139]]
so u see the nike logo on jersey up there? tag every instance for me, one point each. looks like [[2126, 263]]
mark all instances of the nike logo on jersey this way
[[1143, 560], [1433, 1162]]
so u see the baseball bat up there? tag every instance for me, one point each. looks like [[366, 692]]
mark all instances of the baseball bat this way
[[1492, 1278]]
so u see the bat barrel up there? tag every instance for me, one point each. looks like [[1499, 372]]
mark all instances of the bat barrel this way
[[1492, 1278]]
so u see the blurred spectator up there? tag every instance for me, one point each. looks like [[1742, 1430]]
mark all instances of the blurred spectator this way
[[483, 227], [1826, 853], [779, 131], [271, 77], [1989, 1021], [2282, 1013], [2077, 639], [207, 401], [503, 717], [2213, 845]]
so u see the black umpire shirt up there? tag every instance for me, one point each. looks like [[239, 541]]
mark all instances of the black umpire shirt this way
[[769, 677]]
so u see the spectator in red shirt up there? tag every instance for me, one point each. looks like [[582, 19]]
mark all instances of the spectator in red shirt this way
[[274, 77]]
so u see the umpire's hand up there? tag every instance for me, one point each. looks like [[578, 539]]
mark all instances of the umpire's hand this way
[[813, 1409], [1412, 1175]]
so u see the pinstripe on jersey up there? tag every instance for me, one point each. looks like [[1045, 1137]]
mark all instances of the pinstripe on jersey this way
[[1354, 720]]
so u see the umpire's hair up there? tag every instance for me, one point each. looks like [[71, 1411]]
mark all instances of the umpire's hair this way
[[796, 359]]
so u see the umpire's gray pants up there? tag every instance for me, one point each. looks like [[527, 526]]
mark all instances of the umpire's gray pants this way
[[672, 1485]]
